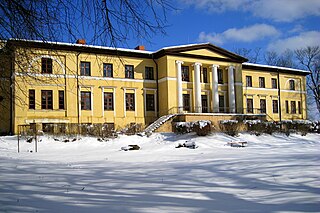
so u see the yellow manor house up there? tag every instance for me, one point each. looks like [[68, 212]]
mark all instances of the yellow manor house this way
[[47, 82]]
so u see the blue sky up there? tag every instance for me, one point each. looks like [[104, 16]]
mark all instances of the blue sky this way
[[266, 24]]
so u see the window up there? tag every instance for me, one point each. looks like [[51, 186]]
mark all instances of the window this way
[[293, 107], [185, 73], [149, 73], [221, 103], [287, 106], [205, 75], [85, 100], [263, 106], [220, 76], [130, 102], [249, 81], [107, 70], [291, 85], [46, 99], [129, 71], [46, 65], [299, 107], [249, 105], [204, 102], [61, 99], [274, 83], [108, 100], [275, 106], [262, 82], [32, 99], [150, 102], [85, 68], [186, 102]]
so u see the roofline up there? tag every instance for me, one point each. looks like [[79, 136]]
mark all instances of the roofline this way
[[81, 48], [275, 68], [173, 50]]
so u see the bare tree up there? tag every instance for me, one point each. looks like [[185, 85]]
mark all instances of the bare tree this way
[[285, 59], [309, 58], [252, 54], [99, 21]]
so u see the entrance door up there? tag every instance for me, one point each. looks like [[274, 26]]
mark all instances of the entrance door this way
[[204, 102]]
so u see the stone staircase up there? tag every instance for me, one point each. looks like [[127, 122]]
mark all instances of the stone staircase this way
[[155, 125]]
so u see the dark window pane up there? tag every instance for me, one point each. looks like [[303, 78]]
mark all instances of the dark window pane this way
[[85, 100], [46, 65], [32, 99], [107, 70], [274, 83], [221, 103], [108, 101], [205, 75], [150, 105], [186, 102], [185, 73], [293, 107], [85, 68], [275, 106], [287, 106], [61, 99], [220, 76], [249, 81], [263, 106], [250, 105], [149, 73], [129, 71], [46, 99], [204, 103], [261, 82], [291, 85], [130, 102]]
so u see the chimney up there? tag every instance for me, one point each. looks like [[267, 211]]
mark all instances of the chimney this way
[[81, 41], [140, 47]]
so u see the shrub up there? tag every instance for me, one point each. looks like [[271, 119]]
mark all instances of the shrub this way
[[315, 127], [230, 127], [183, 127], [202, 128]]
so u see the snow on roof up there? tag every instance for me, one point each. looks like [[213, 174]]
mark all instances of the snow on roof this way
[[275, 67], [185, 45], [86, 45]]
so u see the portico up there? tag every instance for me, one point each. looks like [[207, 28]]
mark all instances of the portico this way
[[197, 88]]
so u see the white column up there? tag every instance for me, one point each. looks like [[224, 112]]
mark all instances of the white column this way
[[232, 101], [197, 87], [179, 86], [215, 94]]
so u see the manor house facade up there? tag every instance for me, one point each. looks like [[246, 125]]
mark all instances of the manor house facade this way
[[49, 82]]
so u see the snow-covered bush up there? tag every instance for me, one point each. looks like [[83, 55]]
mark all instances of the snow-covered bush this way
[[202, 127], [230, 127], [296, 126], [315, 127], [132, 129], [183, 127], [258, 127]]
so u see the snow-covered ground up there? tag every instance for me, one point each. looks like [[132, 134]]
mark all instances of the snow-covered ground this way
[[272, 174]]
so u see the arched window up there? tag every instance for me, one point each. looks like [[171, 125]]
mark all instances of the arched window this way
[[291, 85]]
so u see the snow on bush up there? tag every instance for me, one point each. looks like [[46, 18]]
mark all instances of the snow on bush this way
[[202, 127], [230, 127], [183, 127]]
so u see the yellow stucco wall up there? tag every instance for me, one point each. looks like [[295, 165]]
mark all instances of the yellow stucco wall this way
[[66, 77], [95, 84], [268, 93]]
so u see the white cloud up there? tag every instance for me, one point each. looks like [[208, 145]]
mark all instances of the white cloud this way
[[277, 10], [285, 10], [310, 38], [246, 34]]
